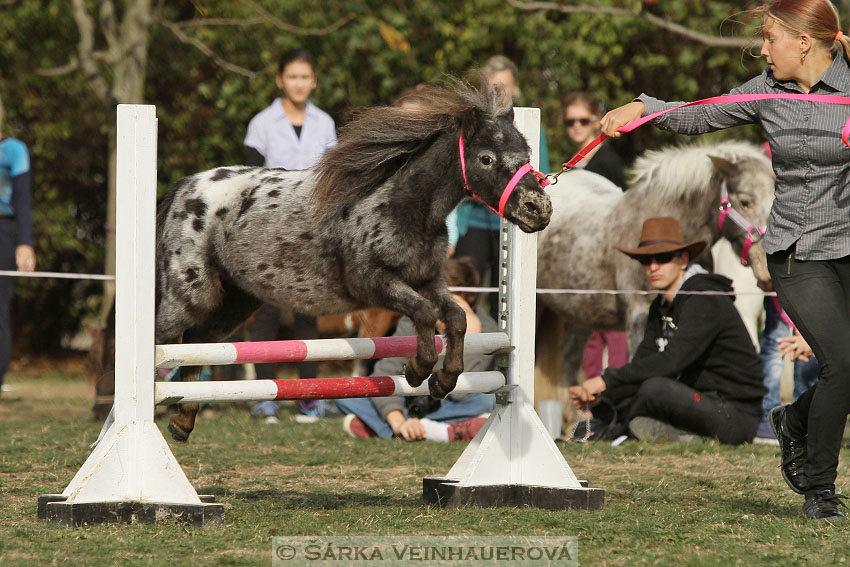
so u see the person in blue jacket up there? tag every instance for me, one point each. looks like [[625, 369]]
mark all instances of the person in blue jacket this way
[[16, 251]]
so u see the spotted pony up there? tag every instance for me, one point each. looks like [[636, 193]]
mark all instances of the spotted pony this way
[[365, 228]]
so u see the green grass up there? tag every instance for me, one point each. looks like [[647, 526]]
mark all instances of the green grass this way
[[690, 504]]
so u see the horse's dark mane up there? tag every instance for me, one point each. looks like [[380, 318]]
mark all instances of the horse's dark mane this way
[[381, 139]]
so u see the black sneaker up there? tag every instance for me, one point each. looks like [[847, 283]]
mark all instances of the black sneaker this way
[[823, 505], [792, 448]]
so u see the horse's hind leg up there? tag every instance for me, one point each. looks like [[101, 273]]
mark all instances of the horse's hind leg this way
[[182, 422], [445, 380], [236, 307]]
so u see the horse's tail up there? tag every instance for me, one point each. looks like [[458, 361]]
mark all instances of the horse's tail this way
[[162, 211]]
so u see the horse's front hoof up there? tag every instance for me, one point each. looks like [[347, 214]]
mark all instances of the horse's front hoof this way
[[178, 433], [438, 388], [412, 378]]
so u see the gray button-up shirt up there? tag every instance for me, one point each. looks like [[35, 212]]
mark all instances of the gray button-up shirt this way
[[812, 164]]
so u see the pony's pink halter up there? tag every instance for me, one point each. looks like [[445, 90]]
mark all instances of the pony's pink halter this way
[[509, 188], [728, 211]]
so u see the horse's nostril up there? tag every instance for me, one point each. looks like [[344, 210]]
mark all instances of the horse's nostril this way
[[532, 207]]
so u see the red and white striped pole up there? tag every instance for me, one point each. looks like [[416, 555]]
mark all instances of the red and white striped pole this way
[[315, 388], [172, 356]]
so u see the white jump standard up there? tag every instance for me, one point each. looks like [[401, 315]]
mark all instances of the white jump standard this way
[[132, 475]]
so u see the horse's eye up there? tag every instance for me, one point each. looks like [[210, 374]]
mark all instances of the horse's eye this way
[[746, 203], [486, 160]]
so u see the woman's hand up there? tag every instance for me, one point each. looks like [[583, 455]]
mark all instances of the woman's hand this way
[[25, 258], [412, 429], [796, 346], [620, 117], [587, 395]]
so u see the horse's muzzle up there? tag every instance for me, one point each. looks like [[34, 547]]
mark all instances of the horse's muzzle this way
[[532, 213]]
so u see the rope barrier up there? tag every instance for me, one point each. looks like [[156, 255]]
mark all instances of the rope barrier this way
[[545, 291], [61, 275]]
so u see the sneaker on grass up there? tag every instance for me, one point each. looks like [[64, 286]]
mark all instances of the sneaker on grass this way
[[765, 435], [355, 427], [823, 505], [465, 430]]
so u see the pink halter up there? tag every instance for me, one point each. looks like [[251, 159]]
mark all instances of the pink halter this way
[[726, 210], [509, 188]]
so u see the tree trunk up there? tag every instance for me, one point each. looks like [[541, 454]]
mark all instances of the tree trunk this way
[[130, 55]]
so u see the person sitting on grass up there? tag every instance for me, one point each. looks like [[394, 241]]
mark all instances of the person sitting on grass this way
[[696, 368], [456, 418]]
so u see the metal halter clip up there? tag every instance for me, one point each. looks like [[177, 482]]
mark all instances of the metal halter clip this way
[[553, 177]]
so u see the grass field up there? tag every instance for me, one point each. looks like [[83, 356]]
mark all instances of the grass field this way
[[689, 504]]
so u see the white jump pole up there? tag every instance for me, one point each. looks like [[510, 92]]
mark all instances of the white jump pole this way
[[131, 473], [513, 459]]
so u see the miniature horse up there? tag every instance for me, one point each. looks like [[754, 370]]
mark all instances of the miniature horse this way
[[365, 228]]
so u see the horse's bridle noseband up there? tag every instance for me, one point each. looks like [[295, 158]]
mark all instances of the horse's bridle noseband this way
[[727, 210], [509, 188]]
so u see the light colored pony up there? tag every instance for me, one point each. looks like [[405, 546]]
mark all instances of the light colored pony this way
[[592, 215]]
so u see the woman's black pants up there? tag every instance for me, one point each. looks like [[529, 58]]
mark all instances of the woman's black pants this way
[[816, 295]]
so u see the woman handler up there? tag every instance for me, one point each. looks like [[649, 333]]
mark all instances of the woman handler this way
[[808, 232]]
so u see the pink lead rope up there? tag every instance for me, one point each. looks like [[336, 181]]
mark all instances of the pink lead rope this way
[[725, 99]]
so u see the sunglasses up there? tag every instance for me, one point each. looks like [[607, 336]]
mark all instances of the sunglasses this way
[[570, 122], [659, 259]]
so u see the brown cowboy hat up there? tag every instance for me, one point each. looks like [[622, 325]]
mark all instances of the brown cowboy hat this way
[[663, 234]]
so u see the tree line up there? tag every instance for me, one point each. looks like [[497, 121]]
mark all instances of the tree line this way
[[209, 65]]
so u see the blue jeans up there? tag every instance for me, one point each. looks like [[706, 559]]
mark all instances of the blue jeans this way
[[269, 407], [771, 361], [450, 411], [805, 373]]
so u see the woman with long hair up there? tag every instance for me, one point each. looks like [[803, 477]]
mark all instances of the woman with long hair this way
[[808, 233]]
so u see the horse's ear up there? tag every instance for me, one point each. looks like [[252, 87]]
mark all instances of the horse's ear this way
[[469, 122], [726, 168], [509, 115]]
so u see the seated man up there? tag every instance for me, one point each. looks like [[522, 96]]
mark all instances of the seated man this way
[[456, 418], [696, 368]]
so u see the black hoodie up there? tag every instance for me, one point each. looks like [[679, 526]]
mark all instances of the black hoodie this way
[[701, 341]]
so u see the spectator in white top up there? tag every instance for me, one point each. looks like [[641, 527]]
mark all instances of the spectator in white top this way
[[292, 133]]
